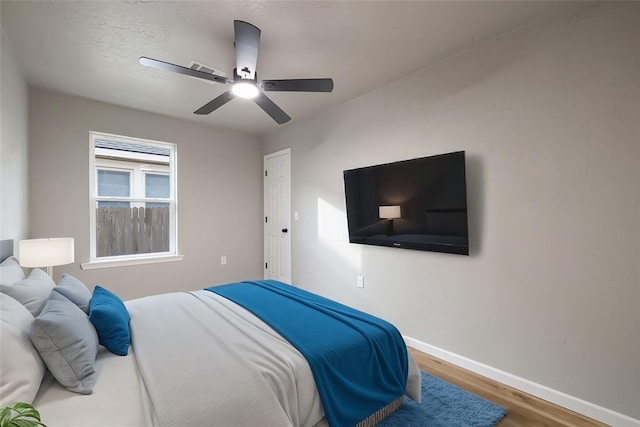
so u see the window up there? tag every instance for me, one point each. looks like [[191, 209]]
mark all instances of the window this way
[[133, 201], [114, 183], [156, 185]]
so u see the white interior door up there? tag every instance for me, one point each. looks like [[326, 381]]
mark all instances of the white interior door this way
[[277, 216]]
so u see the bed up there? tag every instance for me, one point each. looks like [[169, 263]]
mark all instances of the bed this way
[[195, 358]]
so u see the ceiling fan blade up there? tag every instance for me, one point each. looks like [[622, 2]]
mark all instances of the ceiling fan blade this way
[[215, 103], [165, 66], [247, 43], [271, 109], [298, 85]]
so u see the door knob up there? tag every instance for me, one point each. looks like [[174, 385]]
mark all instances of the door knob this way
[[284, 230]]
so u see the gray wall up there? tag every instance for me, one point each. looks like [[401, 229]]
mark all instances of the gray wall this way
[[548, 117], [219, 193], [13, 147]]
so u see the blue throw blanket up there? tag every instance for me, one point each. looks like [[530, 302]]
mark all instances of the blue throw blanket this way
[[359, 362]]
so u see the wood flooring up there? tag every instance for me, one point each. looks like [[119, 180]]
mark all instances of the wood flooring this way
[[524, 410]]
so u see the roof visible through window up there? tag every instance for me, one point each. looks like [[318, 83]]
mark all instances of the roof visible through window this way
[[131, 147]]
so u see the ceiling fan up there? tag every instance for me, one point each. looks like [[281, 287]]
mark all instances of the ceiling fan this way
[[245, 82]]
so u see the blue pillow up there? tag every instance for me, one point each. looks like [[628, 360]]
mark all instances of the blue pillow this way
[[111, 320]]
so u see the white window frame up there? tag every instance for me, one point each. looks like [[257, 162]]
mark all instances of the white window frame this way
[[132, 259]]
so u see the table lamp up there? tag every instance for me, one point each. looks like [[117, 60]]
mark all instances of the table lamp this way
[[46, 252], [389, 213]]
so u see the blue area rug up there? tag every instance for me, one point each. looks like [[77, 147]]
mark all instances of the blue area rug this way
[[445, 405]]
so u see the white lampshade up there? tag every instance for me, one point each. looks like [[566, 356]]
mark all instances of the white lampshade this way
[[389, 212], [46, 252]]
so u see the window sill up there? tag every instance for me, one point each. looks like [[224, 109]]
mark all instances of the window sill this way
[[92, 265]]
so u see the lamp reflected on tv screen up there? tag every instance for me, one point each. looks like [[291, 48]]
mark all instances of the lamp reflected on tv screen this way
[[413, 204]]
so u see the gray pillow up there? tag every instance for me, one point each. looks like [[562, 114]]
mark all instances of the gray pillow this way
[[67, 342], [75, 291], [10, 271], [32, 292]]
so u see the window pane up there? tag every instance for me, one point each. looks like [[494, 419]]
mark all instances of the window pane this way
[[113, 183], [126, 231], [156, 185]]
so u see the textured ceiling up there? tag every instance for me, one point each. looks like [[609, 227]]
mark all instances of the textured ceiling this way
[[91, 48]]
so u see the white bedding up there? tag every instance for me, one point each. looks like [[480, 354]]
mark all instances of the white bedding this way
[[119, 398], [196, 359]]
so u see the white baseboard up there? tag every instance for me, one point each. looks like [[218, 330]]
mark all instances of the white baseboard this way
[[559, 398]]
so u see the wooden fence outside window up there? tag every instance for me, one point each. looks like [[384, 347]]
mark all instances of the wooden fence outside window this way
[[126, 231]]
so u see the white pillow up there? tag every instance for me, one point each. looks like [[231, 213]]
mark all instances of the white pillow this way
[[10, 271], [21, 366], [32, 292]]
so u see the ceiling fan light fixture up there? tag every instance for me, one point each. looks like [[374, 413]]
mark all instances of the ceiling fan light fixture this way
[[245, 83], [247, 90]]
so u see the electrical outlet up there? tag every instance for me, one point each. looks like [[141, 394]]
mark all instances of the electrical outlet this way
[[360, 281], [223, 260]]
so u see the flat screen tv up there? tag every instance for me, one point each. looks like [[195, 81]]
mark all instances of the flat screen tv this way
[[413, 204]]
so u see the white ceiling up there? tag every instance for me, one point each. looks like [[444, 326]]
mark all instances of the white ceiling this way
[[91, 48]]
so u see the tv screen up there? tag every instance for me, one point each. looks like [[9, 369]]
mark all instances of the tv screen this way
[[413, 204]]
